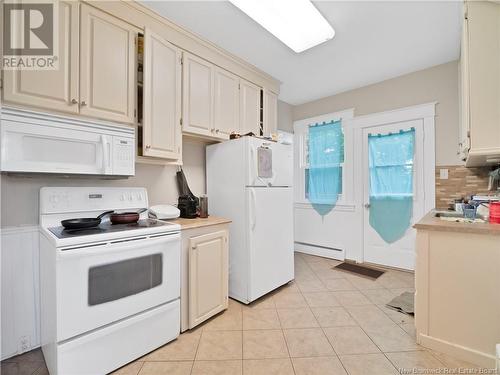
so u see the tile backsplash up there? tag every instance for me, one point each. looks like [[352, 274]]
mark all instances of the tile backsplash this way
[[461, 182]]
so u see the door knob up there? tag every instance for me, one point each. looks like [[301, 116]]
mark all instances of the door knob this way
[[217, 130], [74, 101], [83, 104], [367, 205]]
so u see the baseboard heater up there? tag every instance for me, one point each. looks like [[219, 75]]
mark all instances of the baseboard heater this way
[[319, 250]]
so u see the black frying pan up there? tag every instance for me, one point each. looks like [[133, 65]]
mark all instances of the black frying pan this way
[[86, 222]]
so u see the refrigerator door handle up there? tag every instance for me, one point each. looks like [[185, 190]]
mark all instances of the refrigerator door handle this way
[[252, 209]]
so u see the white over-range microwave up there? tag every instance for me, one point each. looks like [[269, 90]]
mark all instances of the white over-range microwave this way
[[34, 142]]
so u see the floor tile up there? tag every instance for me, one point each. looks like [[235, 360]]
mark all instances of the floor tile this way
[[307, 342], [321, 299], [329, 273], [260, 319], [410, 329], [182, 349], [233, 367], [297, 318], [378, 296], [289, 301], [264, 302], [414, 360], [166, 368], [396, 316], [45, 371], [313, 285], [350, 340], [338, 285], [390, 281], [20, 368], [264, 344], [220, 345], [391, 338], [369, 315], [368, 364], [230, 320], [453, 363], [333, 317], [282, 366], [364, 283], [31, 356], [352, 298], [318, 366], [130, 369]]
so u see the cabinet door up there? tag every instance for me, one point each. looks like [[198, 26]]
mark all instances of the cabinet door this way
[[208, 276], [227, 103], [270, 112], [484, 72], [162, 98], [249, 108], [107, 66], [198, 96], [50, 89]]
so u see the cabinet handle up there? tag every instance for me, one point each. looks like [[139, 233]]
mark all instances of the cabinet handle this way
[[217, 131], [74, 101], [148, 146], [83, 104]]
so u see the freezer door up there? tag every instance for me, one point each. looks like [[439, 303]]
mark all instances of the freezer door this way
[[278, 158], [270, 238]]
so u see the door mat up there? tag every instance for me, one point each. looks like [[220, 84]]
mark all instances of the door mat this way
[[403, 303], [369, 272]]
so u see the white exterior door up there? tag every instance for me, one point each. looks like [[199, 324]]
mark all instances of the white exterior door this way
[[270, 219], [400, 254], [162, 98]]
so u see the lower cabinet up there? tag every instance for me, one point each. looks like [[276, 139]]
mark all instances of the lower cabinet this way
[[204, 284]]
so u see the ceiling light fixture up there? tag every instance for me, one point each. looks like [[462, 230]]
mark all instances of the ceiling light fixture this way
[[297, 23]]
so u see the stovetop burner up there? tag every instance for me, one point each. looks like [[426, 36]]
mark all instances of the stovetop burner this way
[[105, 227]]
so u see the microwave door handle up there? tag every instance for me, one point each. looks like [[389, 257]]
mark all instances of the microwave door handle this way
[[105, 154]]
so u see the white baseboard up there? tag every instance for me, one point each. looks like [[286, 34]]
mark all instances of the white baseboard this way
[[321, 251], [464, 353]]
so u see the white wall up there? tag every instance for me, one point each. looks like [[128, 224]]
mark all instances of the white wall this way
[[285, 116], [436, 84], [19, 194]]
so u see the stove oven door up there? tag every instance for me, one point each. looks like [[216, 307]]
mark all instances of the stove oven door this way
[[103, 283]]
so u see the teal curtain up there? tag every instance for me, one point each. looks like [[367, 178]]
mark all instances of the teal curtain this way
[[391, 183], [326, 154]]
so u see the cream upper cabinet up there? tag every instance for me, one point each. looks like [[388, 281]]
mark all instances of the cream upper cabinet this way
[[198, 96], [249, 108], [107, 66], [226, 103], [270, 112], [162, 98], [208, 276], [481, 82], [50, 89]]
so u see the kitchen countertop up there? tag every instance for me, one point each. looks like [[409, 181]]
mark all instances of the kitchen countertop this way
[[430, 222], [199, 222]]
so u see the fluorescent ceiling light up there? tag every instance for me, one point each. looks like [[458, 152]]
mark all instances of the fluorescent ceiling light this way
[[297, 23]]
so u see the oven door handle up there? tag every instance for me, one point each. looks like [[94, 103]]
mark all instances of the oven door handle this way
[[117, 246]]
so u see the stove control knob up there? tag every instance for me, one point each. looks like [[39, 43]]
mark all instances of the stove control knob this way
[[130, 197], [139, 197], [122, 197]]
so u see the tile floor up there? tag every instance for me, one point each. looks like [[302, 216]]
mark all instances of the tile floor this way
[[326, 322]]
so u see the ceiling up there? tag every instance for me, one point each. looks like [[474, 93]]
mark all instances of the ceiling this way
[[374, 41]]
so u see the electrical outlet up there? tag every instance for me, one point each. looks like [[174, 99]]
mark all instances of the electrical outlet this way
[[443, 174], [24, 344]]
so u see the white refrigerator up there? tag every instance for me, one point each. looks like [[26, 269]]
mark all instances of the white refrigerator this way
[[249, 180]]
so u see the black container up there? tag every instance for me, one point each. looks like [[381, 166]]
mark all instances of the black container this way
[[187, 205]]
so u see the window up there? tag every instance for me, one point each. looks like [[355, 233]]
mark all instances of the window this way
[[306, 167], [301, 155]]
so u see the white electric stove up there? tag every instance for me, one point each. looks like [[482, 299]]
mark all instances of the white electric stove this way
[[109, 294]]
